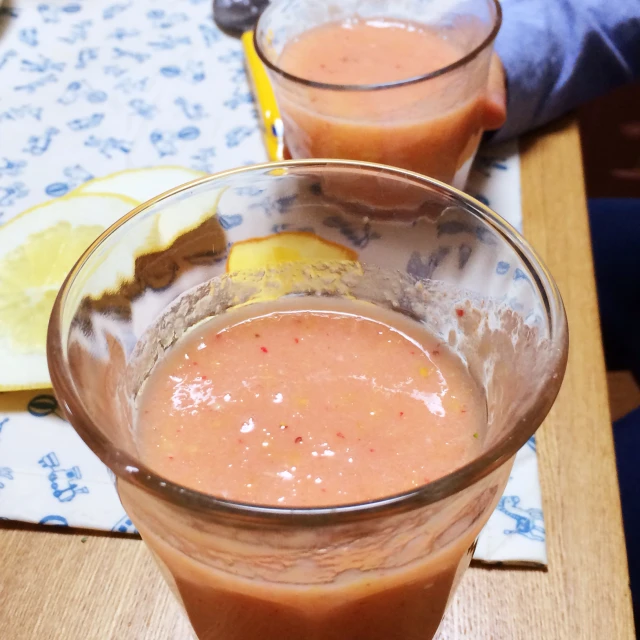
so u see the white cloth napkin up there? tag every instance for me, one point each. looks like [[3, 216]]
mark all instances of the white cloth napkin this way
[[93, 87]]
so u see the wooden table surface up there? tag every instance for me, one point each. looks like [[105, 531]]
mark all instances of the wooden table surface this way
[[85, 586]]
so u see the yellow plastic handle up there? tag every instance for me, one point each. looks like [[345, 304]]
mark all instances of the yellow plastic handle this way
[[270, 122]]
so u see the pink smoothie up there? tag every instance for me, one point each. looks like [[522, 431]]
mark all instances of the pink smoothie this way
[[310, 402], [309, 407], [431, 127]]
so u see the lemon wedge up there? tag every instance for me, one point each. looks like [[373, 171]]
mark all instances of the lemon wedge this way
[[288, 246], [37, 250]]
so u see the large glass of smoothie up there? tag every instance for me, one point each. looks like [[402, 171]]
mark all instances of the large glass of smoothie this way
[[311, 401], [401, 83]]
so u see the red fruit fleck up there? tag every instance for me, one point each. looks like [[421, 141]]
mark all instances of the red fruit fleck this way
[[459, 313], [170, 457], [401, 413], [298, 440], [195, 364], [372, 450], [340, 434], [257, 335], [413, 353], [240, 441], [204, 377], [264, 350], [296, 340], [323, 490]]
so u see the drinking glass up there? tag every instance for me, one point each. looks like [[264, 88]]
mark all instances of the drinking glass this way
[[383, 569], [431, 123]]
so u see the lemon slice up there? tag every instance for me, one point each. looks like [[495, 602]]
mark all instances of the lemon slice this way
[[288, 246], [141, 184], [300, 249], [154, 231], [37, 250], [186, 214]]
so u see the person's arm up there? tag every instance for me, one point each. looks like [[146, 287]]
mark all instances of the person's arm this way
[[558, 54]]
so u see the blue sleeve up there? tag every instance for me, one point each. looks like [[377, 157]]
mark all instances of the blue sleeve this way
[[558, 54]]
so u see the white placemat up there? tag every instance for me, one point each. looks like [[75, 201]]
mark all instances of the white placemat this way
[[93, 87]]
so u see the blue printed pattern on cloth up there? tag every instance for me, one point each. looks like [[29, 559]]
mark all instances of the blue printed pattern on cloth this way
[[105, 86], [94, 87]]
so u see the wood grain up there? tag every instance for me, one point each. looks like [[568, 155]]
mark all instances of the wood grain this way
[[624, 393], [55, 585]]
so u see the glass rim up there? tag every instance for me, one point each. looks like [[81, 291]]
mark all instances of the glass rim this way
[[461, 62], [130, 469]]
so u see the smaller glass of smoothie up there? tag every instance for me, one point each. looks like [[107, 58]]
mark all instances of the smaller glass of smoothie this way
[[311, 403], [400, 83]]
